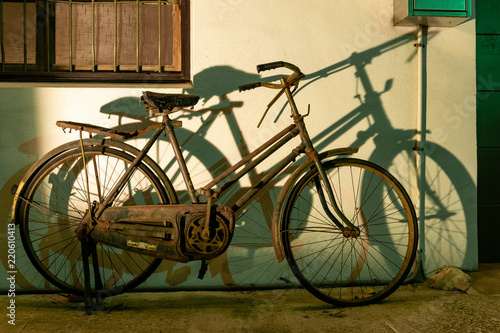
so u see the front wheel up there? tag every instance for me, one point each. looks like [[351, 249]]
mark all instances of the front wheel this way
[[356, 268]]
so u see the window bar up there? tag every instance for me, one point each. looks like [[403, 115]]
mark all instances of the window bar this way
[[1, 36], [115, 41], [137, 38], [48, 8], [93, 36], [159, 36], [47, 34], [70, 35], [25, 42], [177, 37]]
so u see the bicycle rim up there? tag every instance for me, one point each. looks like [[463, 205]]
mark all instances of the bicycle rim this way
[[350, 270], [55, 203]]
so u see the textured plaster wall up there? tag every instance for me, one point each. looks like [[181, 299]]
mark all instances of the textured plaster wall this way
[[327, 40]]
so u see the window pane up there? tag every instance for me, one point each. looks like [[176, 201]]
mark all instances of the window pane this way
[[127, 21], [104, 35], [13, 34], [118, 19], [101, 36]]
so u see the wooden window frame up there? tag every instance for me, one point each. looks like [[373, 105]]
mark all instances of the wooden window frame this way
[[43, 74]]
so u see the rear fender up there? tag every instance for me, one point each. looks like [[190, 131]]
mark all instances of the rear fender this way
[[21, 188]]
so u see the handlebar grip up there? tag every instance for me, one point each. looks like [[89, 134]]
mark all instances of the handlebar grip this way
[[269, 66], [249, 86]]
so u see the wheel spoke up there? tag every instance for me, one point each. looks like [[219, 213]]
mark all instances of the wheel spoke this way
[[350, 268], [55, 204]]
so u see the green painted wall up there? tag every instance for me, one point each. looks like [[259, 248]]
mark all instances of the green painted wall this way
[[488, 127]]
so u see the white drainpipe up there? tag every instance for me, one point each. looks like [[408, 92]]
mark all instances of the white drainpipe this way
[[421, 46]]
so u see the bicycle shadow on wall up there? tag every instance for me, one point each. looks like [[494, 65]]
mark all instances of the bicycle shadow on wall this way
[[446, 219], [203, 158], [205, 161], [251, 259], [446, 190], [447, 212]]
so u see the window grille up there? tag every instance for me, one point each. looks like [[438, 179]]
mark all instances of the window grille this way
[[142, 41]]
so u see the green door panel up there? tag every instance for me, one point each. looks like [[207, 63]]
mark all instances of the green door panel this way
[[488, 62], [488, 127], [488, 119], [488, 17], [488, 229], [488, 176]]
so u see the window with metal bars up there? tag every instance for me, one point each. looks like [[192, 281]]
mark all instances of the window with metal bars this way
[[104, 41]]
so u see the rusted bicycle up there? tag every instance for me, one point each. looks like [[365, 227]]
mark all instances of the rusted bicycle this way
[[98, 215]]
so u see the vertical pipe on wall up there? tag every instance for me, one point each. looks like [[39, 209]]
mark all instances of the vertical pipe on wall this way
[[421, 46]]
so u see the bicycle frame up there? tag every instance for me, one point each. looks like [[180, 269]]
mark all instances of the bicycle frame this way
[[260, 154]]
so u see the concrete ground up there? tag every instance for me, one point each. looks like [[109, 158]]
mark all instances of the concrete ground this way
[[412, 308]]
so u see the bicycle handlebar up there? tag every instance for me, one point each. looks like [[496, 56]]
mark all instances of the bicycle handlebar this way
[[249, 86], [277, 64], [289, 80]]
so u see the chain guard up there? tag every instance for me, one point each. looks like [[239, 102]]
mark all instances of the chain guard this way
[[171, 232]]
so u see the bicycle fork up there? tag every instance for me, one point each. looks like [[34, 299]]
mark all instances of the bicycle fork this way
[[321, 182]]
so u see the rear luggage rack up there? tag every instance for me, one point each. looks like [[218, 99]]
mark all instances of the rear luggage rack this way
[[105, 131]]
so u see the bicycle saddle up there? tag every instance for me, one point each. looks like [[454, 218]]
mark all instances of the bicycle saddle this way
[[168, 101]]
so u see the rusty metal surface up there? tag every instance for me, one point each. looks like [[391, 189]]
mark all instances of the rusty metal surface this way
[[150, 246], [173, 232], [289, 129], [106, 131], [180, 159], [253, 164]]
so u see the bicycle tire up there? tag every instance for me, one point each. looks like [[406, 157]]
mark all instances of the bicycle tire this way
[[54, 204], [350, 270]]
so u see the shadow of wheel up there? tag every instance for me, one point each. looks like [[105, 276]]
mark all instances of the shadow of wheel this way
[[448, 211]]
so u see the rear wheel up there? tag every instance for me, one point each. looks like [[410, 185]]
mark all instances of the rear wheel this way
[[55, 203], [357, 268]]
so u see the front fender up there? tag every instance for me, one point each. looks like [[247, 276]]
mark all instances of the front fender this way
[[21, 188], [285, 191]]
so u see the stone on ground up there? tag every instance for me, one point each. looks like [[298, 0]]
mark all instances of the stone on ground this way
[[450, 278]]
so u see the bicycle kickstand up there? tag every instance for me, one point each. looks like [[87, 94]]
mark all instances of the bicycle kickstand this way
[[89, 302]]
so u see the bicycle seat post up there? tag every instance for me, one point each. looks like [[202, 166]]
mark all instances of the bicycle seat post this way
[[169, 129]]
